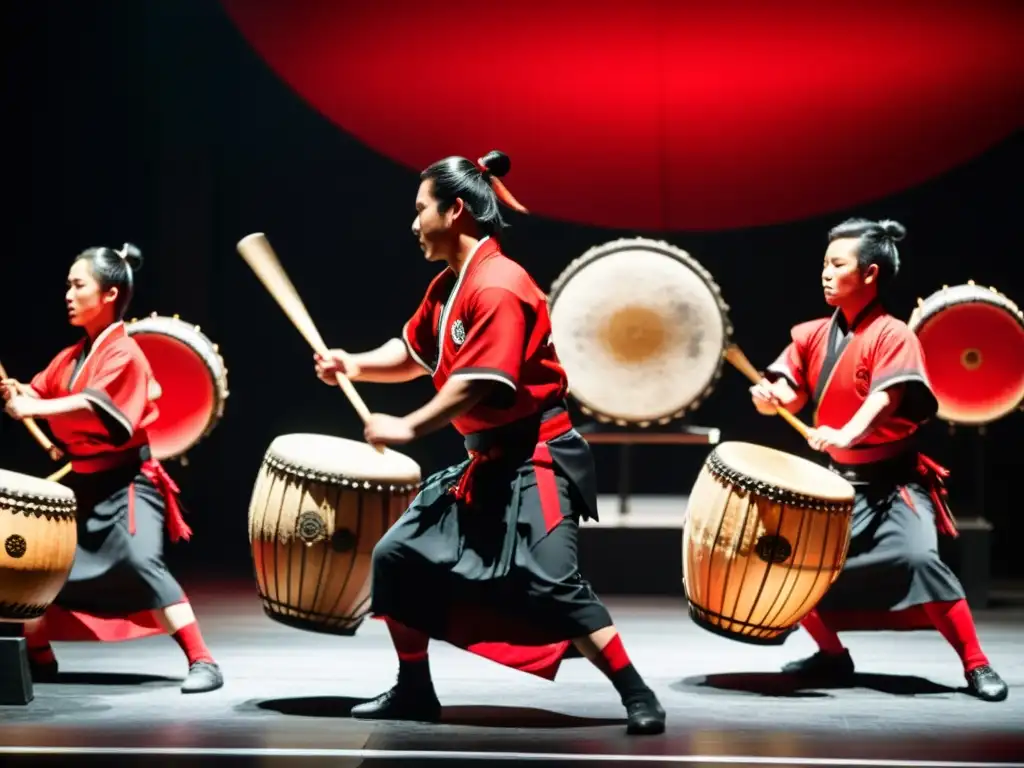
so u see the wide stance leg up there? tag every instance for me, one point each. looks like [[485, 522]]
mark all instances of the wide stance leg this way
[[570, 601], [179, 621], [413, 696], [955, 623], [604, 649]]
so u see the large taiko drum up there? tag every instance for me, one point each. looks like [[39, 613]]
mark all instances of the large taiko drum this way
[[973, 340], [319, 506], [193, 382], [38, 535], [640, 328], [766, 535]]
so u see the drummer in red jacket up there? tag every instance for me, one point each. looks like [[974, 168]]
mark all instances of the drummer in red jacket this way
[[864, 372]]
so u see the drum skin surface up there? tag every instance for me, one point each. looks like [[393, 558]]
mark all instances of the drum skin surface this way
[[766, 535], [319, 506], [192, 378], [38, 535], [640, 329], [973, 341]]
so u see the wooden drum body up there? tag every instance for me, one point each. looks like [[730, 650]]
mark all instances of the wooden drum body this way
[[766, 535], [38, 536], [973, 341], [319, 506]]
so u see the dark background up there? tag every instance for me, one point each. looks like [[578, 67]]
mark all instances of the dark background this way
[[156, 123]]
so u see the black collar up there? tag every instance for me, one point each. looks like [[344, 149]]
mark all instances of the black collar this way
[[839, 319]]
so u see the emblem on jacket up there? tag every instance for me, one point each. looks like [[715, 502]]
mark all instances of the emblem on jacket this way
[[458, 332]]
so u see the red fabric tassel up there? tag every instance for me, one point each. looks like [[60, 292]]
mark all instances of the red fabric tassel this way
[[549, 430], [499, 188], [463, 490], [131, 509], [177, 528], [933, 475]]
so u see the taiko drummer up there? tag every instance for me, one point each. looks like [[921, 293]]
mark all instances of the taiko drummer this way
[[485, 557], [864, 372], [96, 397]]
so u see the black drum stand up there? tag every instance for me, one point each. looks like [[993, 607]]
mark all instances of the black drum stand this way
[[15, 678]]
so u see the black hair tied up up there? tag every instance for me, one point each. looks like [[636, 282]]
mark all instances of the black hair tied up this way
[[892, 229], [115, 268], [495, 163], [877, 245], [132, 256], [477, 185]]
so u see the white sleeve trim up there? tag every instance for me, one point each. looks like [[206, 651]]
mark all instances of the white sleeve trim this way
[[100, 400], [411, 351], [784, 370], [899, 379], [485, 375]]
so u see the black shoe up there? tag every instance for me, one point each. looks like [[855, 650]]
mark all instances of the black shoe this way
[[645, 716], [984, 683], [403, 702], [823, 666], [43, 672], [203, 676]]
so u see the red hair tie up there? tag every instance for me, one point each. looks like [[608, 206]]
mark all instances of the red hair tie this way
[[500, 189]]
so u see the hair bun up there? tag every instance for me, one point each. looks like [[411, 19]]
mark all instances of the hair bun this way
[[132, 256], [893, 229], [496, 163]]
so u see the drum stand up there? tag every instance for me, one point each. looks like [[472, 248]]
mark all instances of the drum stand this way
[[15, 678], [597, 433]]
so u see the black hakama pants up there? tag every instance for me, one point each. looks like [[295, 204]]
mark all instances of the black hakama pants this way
[[119, 575], [501, 569], [893, 565]]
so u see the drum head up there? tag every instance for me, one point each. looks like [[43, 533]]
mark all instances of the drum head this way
[[343, 458], [640, 328], [15, 484], [973, 340], [784, 471], [192, 379]]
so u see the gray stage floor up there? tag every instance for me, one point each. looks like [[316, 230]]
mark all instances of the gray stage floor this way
[[288, 692]]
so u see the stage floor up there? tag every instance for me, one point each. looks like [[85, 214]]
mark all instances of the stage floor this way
[[288, 692]]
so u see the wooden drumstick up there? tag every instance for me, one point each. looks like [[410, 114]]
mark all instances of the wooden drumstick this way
[[260, 256], [56, 476], [35, 431], [735, 356]]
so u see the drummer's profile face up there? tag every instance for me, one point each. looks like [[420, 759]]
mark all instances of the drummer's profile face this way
[[85, 301], [431, 227], [841, 276]]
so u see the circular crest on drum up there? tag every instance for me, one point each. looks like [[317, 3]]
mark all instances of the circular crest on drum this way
[[640, 328], [38, 533], [973, 341], [15, 546], [310, 527], [192, 378]]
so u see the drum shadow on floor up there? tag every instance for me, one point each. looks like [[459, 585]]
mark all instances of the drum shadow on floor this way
[[483, 716], [781, 685]]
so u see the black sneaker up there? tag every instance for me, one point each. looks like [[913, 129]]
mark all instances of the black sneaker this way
[[984, 683], [403, 702], [823, 666], [645, 715]]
